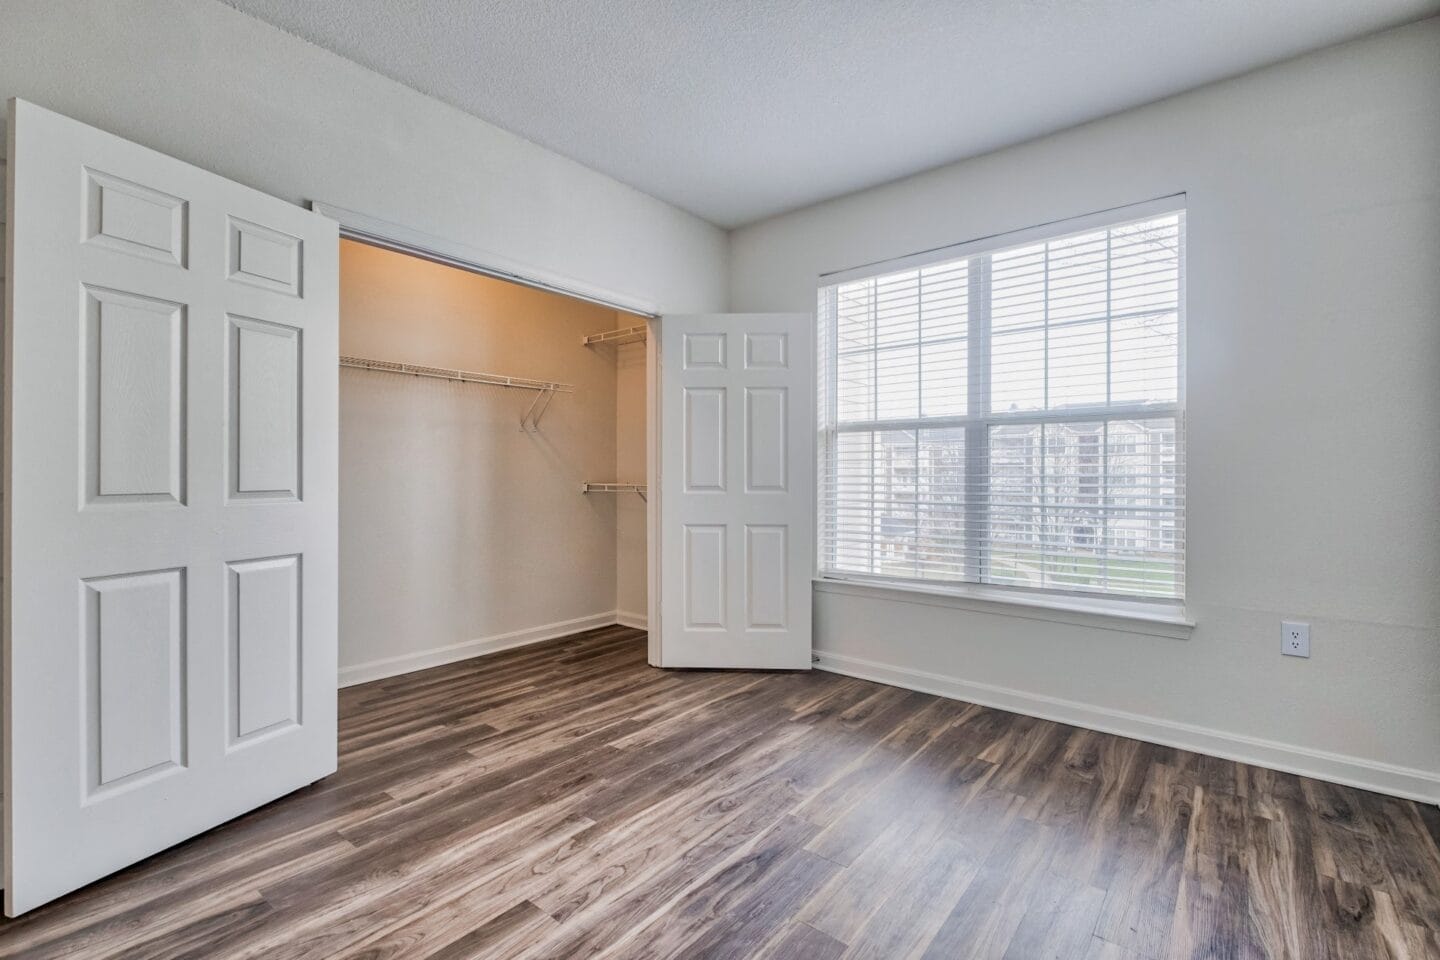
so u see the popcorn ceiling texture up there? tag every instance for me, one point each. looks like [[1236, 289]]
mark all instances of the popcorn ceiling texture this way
[[739, 110]]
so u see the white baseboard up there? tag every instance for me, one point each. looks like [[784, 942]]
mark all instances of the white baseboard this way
[[627, 619], [1351, 771], [438, 656]]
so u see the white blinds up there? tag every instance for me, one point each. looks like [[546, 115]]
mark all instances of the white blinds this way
[[1012, 416]]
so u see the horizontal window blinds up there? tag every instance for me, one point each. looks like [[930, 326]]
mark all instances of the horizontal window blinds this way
[[1011, 417]]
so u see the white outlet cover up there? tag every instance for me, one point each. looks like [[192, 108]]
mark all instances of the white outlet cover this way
[[1295, 639]]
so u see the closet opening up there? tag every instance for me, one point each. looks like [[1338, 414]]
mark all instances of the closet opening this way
[[493, 463]]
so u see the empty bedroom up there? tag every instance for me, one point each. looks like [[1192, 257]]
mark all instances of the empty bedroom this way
[[794, 481]]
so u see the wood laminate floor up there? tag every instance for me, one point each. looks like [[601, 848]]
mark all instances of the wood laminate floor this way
[[566, 800]]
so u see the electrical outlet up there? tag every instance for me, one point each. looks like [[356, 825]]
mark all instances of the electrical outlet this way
[[1295, 639]]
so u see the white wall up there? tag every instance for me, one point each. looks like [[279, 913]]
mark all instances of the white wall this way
[[459, 533], [1313, 411], [205, 83]]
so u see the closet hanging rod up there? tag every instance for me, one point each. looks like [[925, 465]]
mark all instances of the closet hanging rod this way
[[462, 376], [634, 334]]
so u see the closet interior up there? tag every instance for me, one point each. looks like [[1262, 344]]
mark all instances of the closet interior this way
[[492, 464]]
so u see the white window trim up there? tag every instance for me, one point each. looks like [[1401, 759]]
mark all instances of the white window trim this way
[[1164, 618], [1012, 238], [1146, 617]]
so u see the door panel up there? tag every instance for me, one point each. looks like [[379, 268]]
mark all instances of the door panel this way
[[766, 439], [767, 586], [170, 502], [736, 491], [130, 218], [265, 378], [704, 438], [135, 683], [134, 388], [265, 669]]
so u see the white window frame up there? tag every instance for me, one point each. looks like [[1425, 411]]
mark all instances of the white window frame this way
[[1089, 607]]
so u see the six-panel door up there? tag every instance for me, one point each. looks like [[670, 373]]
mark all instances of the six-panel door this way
[[736, 489], [170, 495]]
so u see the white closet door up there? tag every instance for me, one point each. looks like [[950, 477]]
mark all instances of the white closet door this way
[[170, 503], [737, 491]]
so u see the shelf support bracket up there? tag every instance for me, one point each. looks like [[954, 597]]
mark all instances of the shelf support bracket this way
[[535, 419], [530, 410]]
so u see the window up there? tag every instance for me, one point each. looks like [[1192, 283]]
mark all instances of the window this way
[[1008, 412]]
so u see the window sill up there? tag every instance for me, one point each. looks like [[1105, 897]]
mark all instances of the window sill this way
[[1130, 616]]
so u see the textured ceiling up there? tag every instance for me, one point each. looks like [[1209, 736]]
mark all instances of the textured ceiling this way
[[740, 109]]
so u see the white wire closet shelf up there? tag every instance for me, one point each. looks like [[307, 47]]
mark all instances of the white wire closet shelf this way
[[635, 334], [545, 390], [465, 376], [614, 488]]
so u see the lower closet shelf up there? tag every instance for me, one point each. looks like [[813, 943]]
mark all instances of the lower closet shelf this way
[[614, 488]]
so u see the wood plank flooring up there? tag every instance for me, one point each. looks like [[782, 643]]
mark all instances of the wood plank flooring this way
[[566, 800]]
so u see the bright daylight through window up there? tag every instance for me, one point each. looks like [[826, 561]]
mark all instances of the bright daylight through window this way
[[1010, 414]]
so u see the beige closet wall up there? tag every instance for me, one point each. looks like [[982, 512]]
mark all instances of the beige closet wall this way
[[459, 532], [630, 522]]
